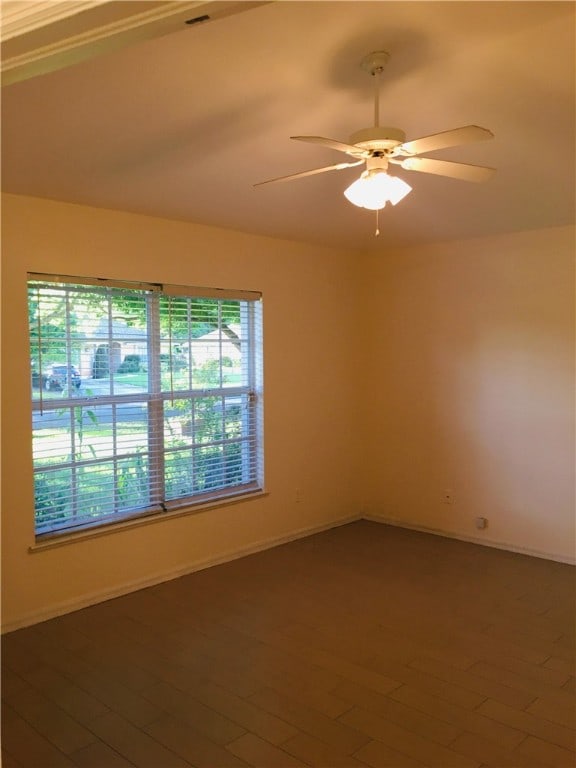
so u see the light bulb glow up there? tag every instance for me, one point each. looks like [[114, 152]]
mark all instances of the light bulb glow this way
[[375, 188]]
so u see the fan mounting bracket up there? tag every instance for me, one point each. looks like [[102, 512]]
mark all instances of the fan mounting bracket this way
[[375, 62]]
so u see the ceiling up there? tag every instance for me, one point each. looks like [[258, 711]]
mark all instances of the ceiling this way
[[182, 125]]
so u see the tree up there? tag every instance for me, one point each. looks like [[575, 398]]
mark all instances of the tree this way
[[204, 315]]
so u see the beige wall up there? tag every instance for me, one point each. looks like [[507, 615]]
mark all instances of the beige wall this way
[[473, 353], [310, 294], [389, 378]]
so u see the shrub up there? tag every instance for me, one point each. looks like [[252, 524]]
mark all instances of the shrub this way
[[130, 364]]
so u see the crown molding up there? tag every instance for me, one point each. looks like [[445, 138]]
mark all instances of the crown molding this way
[[163, 18], [20, 17]]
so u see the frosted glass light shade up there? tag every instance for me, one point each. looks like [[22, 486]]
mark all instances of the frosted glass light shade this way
[[375, 188]]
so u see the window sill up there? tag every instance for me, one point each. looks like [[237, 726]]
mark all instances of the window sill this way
[[60, 540]]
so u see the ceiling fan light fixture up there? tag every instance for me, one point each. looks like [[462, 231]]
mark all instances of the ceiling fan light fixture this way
[[380, 145], [375, 188]]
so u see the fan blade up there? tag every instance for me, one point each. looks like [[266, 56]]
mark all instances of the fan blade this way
[[337, 167], [454, 138], [461, 171], [350, 149]]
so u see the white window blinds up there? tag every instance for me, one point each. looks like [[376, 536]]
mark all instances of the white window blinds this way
[[144, 398]]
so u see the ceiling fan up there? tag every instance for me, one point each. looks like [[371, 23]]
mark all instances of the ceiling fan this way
[[379, 146]]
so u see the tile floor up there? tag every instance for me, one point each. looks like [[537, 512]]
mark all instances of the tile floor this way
[[365, 645]]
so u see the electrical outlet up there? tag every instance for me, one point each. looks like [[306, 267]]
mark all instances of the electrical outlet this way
[[481, 522], [298, 496], [448, 497]]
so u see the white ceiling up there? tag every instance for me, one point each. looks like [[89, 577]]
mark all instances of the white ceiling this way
[[183, 125]]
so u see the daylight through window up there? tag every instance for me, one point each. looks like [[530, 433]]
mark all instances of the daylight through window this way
[[145, 398]]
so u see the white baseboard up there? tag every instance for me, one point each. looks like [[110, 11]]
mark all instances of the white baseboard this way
[[93, 598], [472, 539], [35, 617]]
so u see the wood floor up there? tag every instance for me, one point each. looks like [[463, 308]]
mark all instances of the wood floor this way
[[362, 646]]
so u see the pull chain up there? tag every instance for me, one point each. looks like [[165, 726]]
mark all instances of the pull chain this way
[[377, 233]]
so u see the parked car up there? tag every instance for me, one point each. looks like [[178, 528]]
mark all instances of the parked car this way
[[61, 377]]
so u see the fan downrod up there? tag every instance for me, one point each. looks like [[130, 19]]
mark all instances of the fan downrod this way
[[377, 139]]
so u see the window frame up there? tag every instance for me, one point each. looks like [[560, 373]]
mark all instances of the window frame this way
[[156, 398]]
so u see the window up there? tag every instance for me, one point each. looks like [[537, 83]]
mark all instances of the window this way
[[145, 398]]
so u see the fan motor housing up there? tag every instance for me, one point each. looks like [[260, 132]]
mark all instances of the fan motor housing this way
[[378, 139]]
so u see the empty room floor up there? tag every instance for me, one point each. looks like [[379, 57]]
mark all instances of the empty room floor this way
[[365, 645]]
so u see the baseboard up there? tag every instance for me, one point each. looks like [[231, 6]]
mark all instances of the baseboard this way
[[93, 598], [132, 586], [472, 539]]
